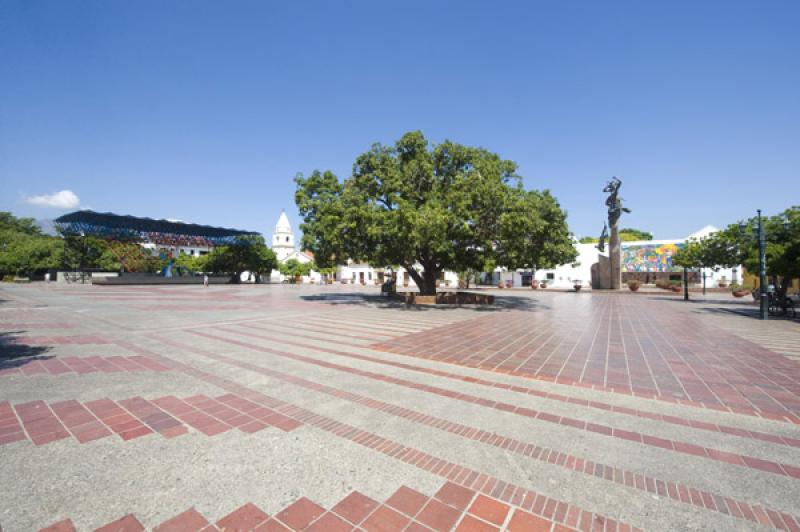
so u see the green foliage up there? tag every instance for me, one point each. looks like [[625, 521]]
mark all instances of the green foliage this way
[[293, 267], [731, 247], [193, 263], [249, 253], [626, 234], [88, 252], [533, 232], [24, 250], [446, 207], [330, 270]]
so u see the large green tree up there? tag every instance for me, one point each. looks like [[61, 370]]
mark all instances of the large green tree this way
[[24, 249], [248, 253], [442, 207]]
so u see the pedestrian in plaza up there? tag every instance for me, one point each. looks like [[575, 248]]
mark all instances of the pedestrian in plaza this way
[[205, 280]]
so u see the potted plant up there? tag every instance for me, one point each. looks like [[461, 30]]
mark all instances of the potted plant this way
[[577, 285], [543, 284], [738, 290], [723, 282], [675, 286], [633, 285], [501, 284], [534, 284]]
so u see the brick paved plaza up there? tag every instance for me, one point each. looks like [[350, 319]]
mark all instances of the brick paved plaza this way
[[327, 408]]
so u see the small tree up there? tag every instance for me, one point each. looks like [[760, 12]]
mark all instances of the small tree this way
[[293, 268]]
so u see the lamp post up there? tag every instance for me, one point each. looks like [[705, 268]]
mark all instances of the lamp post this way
[[705, 276], [685, 283], [758, 232]]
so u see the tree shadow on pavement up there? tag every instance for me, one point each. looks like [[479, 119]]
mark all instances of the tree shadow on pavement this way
[[500, 303], [746, 312], [14, 354]]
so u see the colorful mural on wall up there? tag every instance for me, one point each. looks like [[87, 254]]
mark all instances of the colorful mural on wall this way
[[649, 257]]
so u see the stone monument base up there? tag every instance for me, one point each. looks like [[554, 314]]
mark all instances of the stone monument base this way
[[601, 274]]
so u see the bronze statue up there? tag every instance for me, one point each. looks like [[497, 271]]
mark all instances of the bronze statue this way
[[602, 244], [615, 210], [614, 202]]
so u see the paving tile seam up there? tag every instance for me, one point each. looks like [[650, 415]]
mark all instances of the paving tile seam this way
[[666, 418], [676, 491], [460, 475], [677, 446]]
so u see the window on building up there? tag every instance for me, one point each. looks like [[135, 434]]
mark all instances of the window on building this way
[[551, 276], [287, 238]]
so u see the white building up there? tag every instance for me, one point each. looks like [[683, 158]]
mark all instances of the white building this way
[[642, 259]]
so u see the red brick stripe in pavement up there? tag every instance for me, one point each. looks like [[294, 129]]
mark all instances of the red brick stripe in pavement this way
[[452, 507], [10, 428], [40, 423], [529, 500], [678, 492], [81, 365], [636, 437], [134, 418], [675, 420]]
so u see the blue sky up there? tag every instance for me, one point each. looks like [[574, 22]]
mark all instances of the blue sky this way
[[205, 111]]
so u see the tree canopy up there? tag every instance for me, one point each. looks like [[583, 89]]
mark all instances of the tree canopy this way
[[248, 253], [442, 207], [24, 249], [732, 246], [293, 267], [627, 234]]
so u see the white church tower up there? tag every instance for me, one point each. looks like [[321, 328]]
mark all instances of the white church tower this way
[[283, 239]]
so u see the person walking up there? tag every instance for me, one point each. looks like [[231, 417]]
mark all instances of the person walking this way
[[205, 280]]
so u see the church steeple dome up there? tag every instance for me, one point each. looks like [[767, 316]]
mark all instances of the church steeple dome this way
[[283, 238]]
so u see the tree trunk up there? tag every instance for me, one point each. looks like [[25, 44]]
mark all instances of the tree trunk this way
[[425, 282], [429, 280]]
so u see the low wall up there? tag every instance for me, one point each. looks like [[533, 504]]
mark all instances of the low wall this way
[[446, 298], [159, 280]]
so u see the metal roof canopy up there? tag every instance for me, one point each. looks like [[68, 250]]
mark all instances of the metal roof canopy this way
[[110, 225]]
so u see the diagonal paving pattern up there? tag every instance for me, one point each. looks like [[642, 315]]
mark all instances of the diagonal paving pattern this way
[[329, 408]]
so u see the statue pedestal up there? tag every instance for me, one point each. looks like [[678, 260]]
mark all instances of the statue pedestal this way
[[615, 258], [601, 273]]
